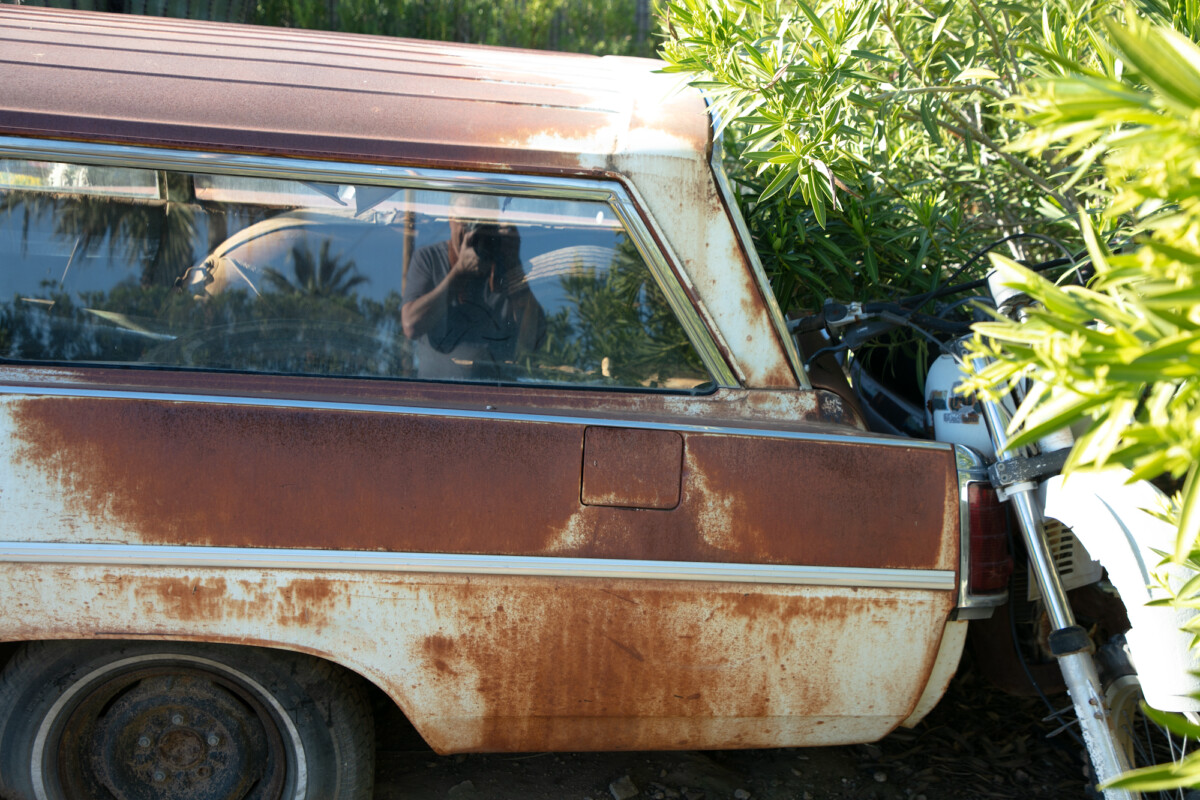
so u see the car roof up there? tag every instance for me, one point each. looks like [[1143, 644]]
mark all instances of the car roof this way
[[246, 89], [336, 96]]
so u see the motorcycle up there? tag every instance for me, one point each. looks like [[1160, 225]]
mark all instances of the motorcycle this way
[[1090, 540]]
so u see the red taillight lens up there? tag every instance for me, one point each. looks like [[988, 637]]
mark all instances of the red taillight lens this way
[[990, 563]]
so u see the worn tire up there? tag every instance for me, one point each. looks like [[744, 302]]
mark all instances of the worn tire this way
[[1145, 742], [178, 720]]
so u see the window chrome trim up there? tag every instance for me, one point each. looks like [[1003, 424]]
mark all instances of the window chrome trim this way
[[756, 268], [456, 413], [109, 555], [614, 194]]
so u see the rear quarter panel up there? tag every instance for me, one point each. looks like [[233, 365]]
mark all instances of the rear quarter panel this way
[[837, 650]]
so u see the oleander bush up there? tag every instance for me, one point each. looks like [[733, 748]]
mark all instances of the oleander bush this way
[[882, 146], [1123, 353], [871, 137]]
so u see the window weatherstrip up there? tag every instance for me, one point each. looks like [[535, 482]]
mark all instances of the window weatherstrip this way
[[108, 555], [610, 192]]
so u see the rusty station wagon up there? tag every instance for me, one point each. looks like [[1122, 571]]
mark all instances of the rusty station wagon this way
[[329, 360]]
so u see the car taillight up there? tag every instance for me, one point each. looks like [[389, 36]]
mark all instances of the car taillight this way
[[990, 563]]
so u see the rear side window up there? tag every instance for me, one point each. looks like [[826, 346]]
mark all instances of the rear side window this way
[[123, 266]]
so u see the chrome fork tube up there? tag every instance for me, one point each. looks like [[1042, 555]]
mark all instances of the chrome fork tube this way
[[1078, 667], [1029, 518]]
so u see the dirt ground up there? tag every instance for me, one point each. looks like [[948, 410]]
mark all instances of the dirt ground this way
[[977, 744]]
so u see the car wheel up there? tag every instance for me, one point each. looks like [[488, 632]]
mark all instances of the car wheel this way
[[184, 721]]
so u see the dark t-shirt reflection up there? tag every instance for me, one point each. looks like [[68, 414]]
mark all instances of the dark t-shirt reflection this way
[[466, 303]]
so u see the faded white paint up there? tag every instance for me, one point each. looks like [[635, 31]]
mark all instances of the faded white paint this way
[[34, 504], [944, 668], [738, 675]]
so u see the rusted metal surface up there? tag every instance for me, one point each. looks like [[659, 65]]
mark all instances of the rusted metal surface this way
[[502, 663], [108, 78], [104, 77], [155, 472], [825, 374], [686, 207], [484, 661], [800, 410], [794, 500], [487, 662], [631, 468], [945, 666]]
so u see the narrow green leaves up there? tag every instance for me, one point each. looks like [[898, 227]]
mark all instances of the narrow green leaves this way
[[1123, 355]]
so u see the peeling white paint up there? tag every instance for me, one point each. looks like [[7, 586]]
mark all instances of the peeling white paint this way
[[742, 665]]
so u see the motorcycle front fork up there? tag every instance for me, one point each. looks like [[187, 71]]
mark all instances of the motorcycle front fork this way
[[1072, 647], [1069, 643]]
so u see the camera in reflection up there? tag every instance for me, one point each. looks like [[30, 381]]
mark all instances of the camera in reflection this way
[[486, 239]]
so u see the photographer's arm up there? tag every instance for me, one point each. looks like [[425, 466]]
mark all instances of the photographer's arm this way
[[418, 315]]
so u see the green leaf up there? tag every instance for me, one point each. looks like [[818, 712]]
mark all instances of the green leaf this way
[[1054, 414], [817, 24], [1178, 78], [938, 26], [818, 207], [1189, 589], [868, 55], [1161, 777], [974, 74], [1189, 516], [779, 182], [931, 126], [1176, 723]]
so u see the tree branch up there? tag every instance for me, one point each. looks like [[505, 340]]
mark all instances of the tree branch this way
[[995, 37], [1016, 163], [965, 88], [971, 131]]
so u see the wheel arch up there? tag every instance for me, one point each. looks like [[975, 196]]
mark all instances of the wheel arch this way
[[365, 673], [294, 613]]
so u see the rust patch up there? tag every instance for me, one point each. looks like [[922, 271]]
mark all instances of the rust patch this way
[[792, 409], [240, 476], [837, 399], [816, 503], [305, 602], [439, 652], [692, 668], [631, 468], [520, 664], [633, 653], [175, 473], [184, 600]]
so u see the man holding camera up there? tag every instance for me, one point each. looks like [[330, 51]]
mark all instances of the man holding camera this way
[[465, 302]]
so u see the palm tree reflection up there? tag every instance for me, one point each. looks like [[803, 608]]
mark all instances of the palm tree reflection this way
[[326, 276]]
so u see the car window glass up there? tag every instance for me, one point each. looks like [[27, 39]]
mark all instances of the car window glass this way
[[52, 176], [123, 266]]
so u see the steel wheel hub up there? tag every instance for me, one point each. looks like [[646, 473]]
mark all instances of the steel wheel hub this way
[[172, 736]]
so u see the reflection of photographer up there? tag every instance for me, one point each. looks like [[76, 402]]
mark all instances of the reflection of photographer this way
[[465, 301]]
